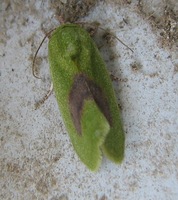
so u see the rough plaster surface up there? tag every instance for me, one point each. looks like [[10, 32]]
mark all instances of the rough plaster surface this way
[[37, 160]]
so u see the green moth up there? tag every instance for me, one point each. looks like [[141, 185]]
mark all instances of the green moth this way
[[85, 96]]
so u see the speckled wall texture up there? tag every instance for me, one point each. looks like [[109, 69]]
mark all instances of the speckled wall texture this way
[[37, 160]]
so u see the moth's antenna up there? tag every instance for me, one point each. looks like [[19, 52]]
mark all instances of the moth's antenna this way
[[39, 103], [117, 39], [34, 59], [36, 76], [97, 24]]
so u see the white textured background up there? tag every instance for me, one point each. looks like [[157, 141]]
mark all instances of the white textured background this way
[[37, 160]]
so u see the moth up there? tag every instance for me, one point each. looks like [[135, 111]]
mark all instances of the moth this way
[[85, 96]]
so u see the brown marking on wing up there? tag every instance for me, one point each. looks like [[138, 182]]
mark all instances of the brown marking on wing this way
[[83, 88]]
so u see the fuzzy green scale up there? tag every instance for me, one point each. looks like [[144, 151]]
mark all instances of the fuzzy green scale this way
[[85, 96]]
